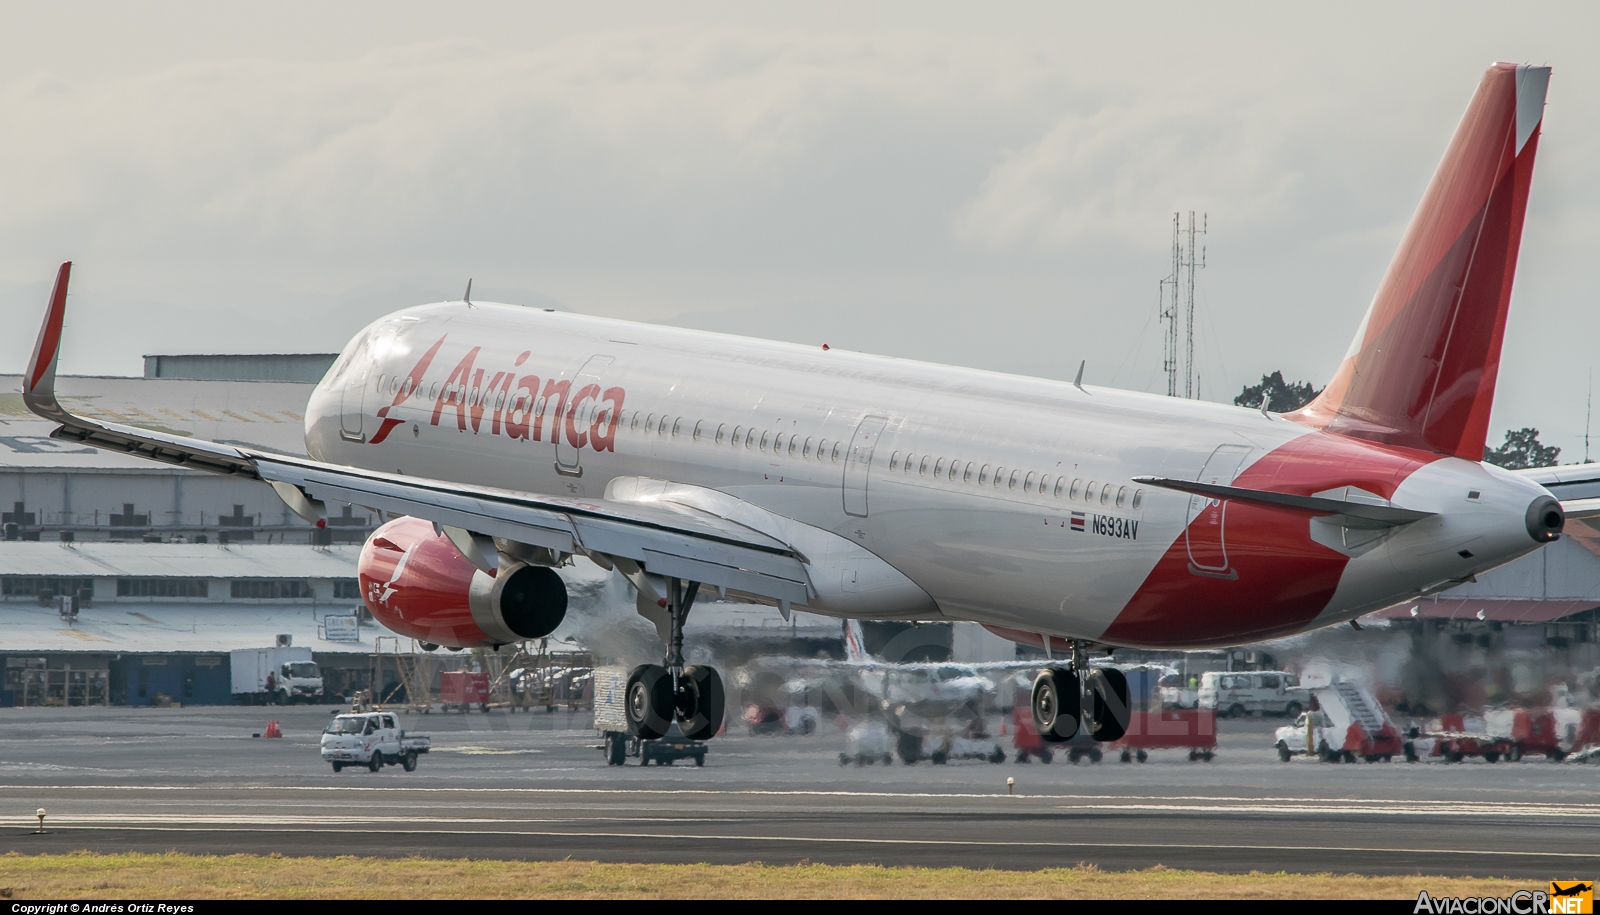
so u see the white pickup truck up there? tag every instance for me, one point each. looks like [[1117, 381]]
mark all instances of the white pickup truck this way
[[371, 739]]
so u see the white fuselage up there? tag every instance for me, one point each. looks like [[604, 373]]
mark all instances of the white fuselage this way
[[1002, 499]]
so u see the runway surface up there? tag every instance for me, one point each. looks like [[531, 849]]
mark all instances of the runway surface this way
[[534, 787]]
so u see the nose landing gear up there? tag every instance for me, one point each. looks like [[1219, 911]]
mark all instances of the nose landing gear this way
[[1065, 696], [659, 694]]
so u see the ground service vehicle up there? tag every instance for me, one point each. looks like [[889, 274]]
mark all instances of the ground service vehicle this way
[[1060, 515], [371, 739], [282, 675], [1231, 695], [1346, 723], [611, 721]]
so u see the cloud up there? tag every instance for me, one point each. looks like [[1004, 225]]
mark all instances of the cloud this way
[[1109, 173]]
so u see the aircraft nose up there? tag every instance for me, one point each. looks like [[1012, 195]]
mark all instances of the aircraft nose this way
[[1545, 519]]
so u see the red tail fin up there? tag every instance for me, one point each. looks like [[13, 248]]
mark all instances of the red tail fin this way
[[1422, 368]]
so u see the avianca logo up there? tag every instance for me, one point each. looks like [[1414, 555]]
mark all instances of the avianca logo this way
[[516, 406]]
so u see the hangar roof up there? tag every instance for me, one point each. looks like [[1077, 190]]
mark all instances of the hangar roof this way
[[102, 559], [262, 414], [176, 627]]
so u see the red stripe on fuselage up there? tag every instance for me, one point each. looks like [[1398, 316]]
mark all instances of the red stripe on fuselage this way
[[1277, 579]]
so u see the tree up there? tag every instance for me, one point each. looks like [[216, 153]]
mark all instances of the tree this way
[[1522, 449], [1284, 395]]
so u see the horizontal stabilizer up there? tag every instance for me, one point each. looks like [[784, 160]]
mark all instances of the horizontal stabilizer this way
[[1361, 513]]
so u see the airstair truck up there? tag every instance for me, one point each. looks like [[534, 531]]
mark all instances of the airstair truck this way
[[277, 675], [1347, 723]]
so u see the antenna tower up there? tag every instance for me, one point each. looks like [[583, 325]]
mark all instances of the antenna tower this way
[[1185, 261]]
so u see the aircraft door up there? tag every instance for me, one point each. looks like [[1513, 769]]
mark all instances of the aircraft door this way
[[572, 424], [353, 395], [1208, 551], [858, 462]]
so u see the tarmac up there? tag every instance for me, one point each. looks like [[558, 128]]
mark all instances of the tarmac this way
[[534, 786]]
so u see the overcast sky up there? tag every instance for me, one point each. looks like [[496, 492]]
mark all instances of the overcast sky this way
[[985, 184]]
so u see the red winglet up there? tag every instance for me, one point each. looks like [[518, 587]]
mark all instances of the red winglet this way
[[41, 375]]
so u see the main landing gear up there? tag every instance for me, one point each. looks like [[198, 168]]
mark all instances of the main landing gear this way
[[659, 694], [1064, 697]]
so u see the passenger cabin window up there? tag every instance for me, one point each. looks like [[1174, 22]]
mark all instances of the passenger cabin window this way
[[954, 465], [922, 469], [894, 461], [738, 433], [750, 438], [998, 473], [822, 449], [676, 425], [1138, 498], [1012, 483], [1122, 495], [1073, 493], [697, 427], [794, 443], [910, 459], [983, 475], [1060, 481], [1088, 491], [807, 452], [650, 423], [938, 468], [1105, 493], [1027, 482], [722, 429], [777, 443], [764, 439], [836, 446], [967, 477]]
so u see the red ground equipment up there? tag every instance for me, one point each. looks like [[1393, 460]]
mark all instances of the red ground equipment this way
[[1534, 733], [1153, 727], [462, 688]]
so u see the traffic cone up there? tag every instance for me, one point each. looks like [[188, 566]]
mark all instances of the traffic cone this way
[[273, 730]]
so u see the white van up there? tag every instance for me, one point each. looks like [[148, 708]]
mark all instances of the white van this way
[[1274, 692]]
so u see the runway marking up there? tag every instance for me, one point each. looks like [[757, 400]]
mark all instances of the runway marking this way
[[1209, 803], [968, 843], [762, 792]]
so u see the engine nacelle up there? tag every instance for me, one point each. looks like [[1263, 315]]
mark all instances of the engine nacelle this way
[[417, 584]]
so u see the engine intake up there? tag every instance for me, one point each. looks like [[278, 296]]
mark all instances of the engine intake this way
[[520, 602]]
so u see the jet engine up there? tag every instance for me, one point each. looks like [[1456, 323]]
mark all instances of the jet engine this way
[[417, 584]]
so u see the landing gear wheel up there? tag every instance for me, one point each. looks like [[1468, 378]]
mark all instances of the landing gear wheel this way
[[909, 746], [1057, 703], [649, 702], [1108, 704], [700, 702]]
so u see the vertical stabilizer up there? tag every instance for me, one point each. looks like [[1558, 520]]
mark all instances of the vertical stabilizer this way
[[855, 642], [1422, 368]]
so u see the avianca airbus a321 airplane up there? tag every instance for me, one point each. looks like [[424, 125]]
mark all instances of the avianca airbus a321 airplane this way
[[504, 441]]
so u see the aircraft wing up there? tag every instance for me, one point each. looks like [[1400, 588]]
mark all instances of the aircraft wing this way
[[1576, 485], [661, 538]]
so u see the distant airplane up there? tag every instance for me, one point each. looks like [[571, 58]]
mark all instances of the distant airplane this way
[[1067, 516]]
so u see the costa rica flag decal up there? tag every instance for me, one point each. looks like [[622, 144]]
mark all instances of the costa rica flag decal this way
[[1077, 521]]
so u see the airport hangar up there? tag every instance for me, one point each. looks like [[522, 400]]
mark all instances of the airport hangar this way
[[173, 568]]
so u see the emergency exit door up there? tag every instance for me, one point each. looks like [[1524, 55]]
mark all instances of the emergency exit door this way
[[858, 462]]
